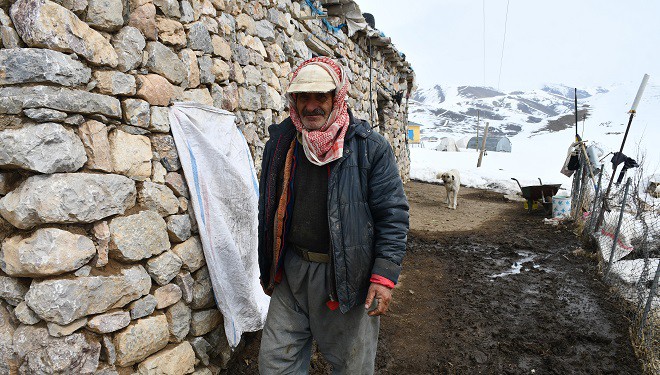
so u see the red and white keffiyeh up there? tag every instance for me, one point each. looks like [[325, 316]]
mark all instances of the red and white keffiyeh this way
[[327, 143]]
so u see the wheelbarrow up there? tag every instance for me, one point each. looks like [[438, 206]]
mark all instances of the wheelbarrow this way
[[538, 193]]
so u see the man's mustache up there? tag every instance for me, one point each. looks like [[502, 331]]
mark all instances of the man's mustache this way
[[315, 112]]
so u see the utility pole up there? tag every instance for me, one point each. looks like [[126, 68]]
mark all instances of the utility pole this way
[[483, 145], [633, 111], [476, 148]]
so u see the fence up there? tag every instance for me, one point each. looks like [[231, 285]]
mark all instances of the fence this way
[[625, 226]]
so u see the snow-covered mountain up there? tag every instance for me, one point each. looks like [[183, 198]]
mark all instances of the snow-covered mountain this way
[[541, 123], [455, 110]]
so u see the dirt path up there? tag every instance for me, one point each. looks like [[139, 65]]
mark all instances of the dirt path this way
[[490, 289]]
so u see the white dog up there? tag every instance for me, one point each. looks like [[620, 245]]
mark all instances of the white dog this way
[[452, 180]]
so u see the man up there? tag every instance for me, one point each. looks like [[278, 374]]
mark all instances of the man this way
[[333, 223]]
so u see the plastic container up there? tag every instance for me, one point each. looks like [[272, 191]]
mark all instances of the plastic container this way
[[561, 206]]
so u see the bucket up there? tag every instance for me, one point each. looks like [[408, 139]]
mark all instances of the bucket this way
[[561, 206]]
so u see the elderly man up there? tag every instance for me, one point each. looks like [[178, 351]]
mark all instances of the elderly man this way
[[333, 223]]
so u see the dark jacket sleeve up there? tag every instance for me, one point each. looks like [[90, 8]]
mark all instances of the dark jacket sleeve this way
[[264, 259], [389, 210]]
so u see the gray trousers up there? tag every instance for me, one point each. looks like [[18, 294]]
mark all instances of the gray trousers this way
[[298, 313]]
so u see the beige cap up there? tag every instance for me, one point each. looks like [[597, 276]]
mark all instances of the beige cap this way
[[312, 78]]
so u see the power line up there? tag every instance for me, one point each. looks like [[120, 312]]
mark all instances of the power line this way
[[503, 41], [484, 29]]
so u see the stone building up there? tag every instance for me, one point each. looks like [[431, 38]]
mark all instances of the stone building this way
[[102, 268]]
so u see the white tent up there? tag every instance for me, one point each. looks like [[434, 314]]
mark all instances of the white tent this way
[[447, 144], [462, 143]]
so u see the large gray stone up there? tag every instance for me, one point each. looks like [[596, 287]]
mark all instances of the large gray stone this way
[[179, 359], [171, 32], [12, 290], [201, 348], [191, 253], [219, 345], [204, 321], [41, 353], [199, 38], [94, 136], [9, 37], [230, 97], [25, 315], [131, 154], [114, 83], [14, 99], [167, 295], [175, 181], [45, 148], [265, 31], [206, 69], [165, 62], [252, 75], [76, 6], [202, 96], [141, 339], [106, 15], [136, 112], [67, 198], [187, 13], [64, 300], [143, 17], [221, 47], [166, 148], [270, 98], [57, 330], [186, 283], [160, 121], [164, 267], [46, 252], [45, 115], [178, 227], [110, 357], [33, 65], [109, 322], [248, 99], [169, 8], [178, 318], [202, 290], [143, 307], [159, 198], [138, 236], [129, 43], [43, 23]]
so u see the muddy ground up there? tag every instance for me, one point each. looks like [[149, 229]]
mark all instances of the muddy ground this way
[[491, 289]]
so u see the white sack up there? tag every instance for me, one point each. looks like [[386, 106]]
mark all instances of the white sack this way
[[630, 229], [224, 190]]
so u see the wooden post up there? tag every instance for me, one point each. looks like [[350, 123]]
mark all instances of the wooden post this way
[[476, 148], [483, 145]]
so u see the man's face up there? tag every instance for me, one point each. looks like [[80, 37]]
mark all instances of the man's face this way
[[314, 108]]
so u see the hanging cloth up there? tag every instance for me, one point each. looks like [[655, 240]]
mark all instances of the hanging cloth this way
[[628, 163]]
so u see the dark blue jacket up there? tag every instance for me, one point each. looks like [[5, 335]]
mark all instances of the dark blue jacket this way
[[367, 209]]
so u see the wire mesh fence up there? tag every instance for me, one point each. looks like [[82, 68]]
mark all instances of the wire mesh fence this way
[[625, 227]]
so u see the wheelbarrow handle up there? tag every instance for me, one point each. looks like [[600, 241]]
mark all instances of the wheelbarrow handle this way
[[516, 180]]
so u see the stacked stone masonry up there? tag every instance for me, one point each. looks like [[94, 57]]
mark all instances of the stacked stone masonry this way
[[100, 252]]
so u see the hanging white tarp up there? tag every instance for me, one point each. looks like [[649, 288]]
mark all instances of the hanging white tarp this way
[[224, 191]]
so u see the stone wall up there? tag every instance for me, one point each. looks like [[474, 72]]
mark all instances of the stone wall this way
[[102, 269]]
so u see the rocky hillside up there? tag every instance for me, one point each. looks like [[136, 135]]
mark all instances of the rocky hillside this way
[[454, 110]]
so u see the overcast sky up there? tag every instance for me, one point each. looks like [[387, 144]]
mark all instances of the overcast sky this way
[[579, 43]]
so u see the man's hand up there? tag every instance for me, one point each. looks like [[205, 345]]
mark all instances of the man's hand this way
[[382, 294]]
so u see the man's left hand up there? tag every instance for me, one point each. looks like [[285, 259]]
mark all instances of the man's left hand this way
[[382, 294]]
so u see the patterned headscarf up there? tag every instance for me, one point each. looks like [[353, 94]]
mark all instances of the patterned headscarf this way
[[327, 143]]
